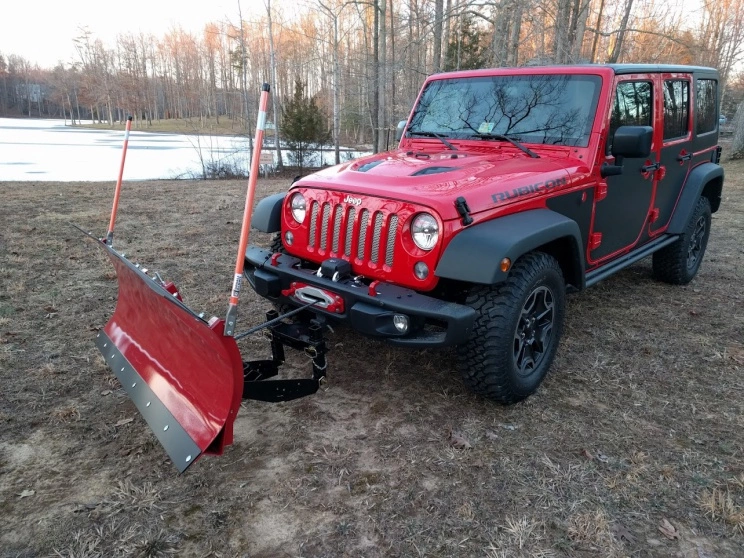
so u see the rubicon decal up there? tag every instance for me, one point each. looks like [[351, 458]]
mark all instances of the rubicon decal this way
[[544, 186], [352, 200]]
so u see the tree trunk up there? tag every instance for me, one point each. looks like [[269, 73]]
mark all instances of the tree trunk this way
[[618, 46], [737, 144], [336, 88], [512, 58], [376, 77], [597, 30], [438, 17], [274, 86], [382, 78]]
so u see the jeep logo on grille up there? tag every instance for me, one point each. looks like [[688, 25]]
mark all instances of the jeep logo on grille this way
[[352, 200]]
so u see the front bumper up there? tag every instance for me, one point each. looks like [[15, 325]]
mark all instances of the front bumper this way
[[365, 308]]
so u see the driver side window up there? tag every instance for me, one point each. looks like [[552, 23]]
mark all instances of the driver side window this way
[[633, 107]]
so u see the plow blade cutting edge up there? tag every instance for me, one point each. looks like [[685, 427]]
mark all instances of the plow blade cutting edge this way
[[182, 373]]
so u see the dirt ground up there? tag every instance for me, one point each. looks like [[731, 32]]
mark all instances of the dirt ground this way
[[633, 446]]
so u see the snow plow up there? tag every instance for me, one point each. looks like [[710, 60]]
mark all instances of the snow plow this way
[[185, 373]]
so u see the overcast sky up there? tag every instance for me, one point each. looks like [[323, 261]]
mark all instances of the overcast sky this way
[[42, 31]]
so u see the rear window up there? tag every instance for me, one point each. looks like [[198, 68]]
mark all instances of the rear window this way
[[706, 99]]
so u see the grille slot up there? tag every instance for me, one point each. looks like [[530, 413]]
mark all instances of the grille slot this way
[[313, 224], [337, 228], [377, 230], [349, 231], [364, 220], [324, 225], [390, 249]]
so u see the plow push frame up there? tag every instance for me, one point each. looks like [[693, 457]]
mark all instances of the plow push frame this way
[[185, 374]]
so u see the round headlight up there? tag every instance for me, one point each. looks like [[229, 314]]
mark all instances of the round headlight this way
[[425, 231], [298, 206]]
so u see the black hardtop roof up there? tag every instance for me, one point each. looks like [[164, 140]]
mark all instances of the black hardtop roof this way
[[656, 68]]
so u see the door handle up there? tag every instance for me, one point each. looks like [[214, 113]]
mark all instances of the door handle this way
[[686, 157], [650, 168]]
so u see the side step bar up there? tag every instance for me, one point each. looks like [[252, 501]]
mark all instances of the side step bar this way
[[605, 271]]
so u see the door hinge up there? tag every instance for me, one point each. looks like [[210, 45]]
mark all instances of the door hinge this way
[[595, 239], [600, 192]]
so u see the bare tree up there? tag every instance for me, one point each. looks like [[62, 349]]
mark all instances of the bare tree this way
[[275, 85]]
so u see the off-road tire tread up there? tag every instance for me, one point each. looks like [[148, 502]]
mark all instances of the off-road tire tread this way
[[670, 263], [277, 246], [485, 360]]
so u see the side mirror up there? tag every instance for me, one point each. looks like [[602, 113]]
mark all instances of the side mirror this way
[[399, 129], [631, 142]]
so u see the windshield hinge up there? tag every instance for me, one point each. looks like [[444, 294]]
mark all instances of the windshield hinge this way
[[463, 210]]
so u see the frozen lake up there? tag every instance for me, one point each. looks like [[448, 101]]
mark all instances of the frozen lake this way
[[33, 149]]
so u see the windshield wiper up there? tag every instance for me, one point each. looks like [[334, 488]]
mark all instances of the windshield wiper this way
[[434, 135], [514, 142]]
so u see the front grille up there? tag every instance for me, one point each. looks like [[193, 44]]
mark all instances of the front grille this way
[[359, 233]]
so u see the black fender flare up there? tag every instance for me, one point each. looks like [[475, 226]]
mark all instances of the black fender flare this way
[[267, 217], [707, 175], [474, 255]]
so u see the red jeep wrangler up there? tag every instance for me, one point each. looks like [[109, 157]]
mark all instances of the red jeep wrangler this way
[[508, 188]]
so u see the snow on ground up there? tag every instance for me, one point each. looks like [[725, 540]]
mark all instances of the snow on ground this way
[[33, 149]]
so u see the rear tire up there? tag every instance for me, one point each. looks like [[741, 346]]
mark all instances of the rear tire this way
[[516, 332], [679, 262]]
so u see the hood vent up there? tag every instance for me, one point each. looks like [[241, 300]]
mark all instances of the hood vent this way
[[369, 166], [433, 170]]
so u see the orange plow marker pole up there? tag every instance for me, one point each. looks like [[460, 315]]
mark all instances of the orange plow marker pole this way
[[232, 310], [110, 234]]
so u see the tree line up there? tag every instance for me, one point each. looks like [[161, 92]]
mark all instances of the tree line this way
[[361, 61]]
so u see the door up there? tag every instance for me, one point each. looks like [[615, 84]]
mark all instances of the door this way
[[620, 213], [676, 149]]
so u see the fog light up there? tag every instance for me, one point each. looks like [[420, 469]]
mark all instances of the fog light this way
[[421, 270], [288, 238], [400, 321]]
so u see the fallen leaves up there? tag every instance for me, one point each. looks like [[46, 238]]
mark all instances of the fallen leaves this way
[[459, 441], [27, 493], [668, 530], [122, 422]]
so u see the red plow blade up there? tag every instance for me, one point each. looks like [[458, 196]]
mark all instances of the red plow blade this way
[[182, 373], [186, 375]]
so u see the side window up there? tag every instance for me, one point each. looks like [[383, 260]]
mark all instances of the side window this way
[[633, 107], [676, 108], [706, 97]]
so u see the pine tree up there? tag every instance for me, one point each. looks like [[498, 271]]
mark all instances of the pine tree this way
[[304, 128], [467, 49]]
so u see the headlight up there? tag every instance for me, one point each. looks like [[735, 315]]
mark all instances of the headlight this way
[[298, 206], [425, 231]]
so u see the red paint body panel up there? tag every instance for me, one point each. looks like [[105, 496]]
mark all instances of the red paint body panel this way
[[495, 180], [193, 369]]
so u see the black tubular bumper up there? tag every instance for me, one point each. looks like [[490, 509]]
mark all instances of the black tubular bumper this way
[[367, 309]]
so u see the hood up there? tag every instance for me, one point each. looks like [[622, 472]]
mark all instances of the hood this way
[[436, 180]]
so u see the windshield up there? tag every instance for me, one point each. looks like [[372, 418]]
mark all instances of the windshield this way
[[554, 109]]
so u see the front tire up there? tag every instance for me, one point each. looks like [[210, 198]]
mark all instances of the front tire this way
[[516, 332], [679, 262]]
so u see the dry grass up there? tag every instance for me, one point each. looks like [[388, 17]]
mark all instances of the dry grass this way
[[640, 424]]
